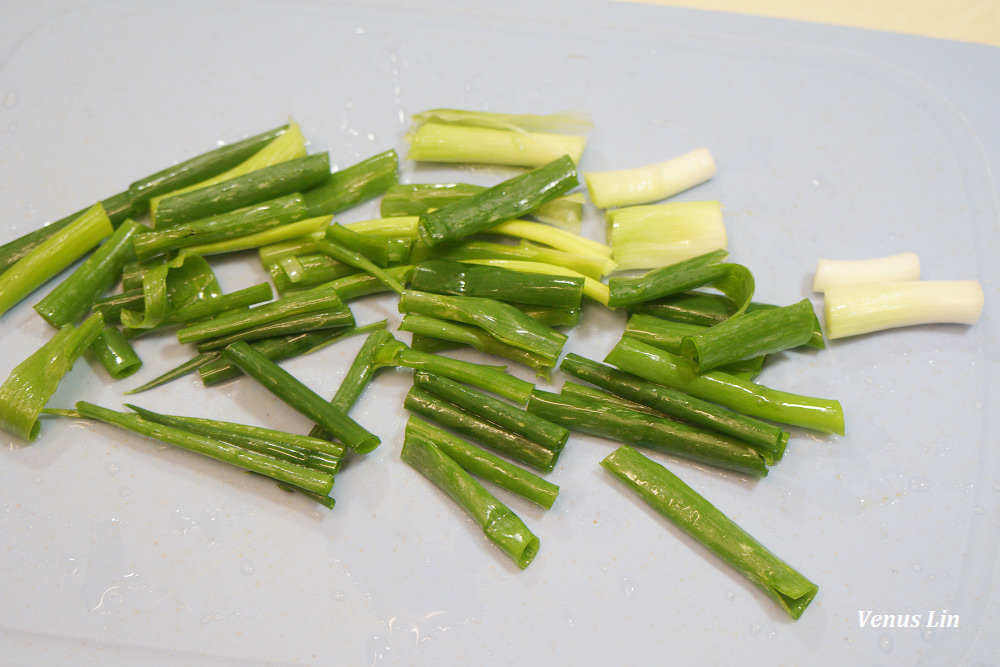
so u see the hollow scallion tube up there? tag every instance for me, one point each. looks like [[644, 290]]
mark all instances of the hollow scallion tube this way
[[756, 400], [733, 280], [298, 445], [668, 335], [591, 288], [73, 297], [457, 279], [514, 419], [225, 226], [440, 142], [642, 185], [423, 327], [200, 167], [678, 404], [497, 438], [837, 273], [609, 419], [33, 382], [115, 353], [689, 511], [750, 335], [501, 525], [304, 271], [291, 473], [500, 320], [353, 185], [53, 255], [505, 201], [482, 464], [317, 299], [255, 187], [280, 348], [299, 397]]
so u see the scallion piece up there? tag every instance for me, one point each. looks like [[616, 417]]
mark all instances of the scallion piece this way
[[858, 309], [74, 296], [299, 397], [249, 189], [288, 230], [595, 267], [189, 366], [838, 273], [668, 335], [33, 382], [750, 335], [560, 239], [359, 261], [500, 525], [283, 471], [646, 184], [512, 286], [592, 289], [756, 400], [646, 237], [115, 353], [353, 185], [337, 317], [733, 280], [697, 517], [53, 255], [505, 201], [484, 465], [304, 271], [440, 142], [677, 404], [379, 249], [173, 285], [247, 296], [608, 419]]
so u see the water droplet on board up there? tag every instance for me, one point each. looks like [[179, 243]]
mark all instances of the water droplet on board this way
[[928, 635], [10, 100], [112, 468], [628, 588], [755, 628], [339, 595], [730, 595], [246, 567], [919, 484], [885, 643], [125, 492], [916, 567], [360, 30]]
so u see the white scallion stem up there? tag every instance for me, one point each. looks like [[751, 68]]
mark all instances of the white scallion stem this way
[[859, 309], [651, 236], [832, 273], [627, 187]]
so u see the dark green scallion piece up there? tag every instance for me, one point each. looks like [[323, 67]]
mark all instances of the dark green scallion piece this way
[[353, 185], [199, 168], [697, 517], [171, 286], [381, 250], [479, 280], [299, 397], [421, 198], [73, 297], [661, 367], [514, 419], [230, 225], [115, 353], [111, 307], [482, 464], [505, 201], [305, 271], [189, 366], [202, 308], [290, 473], [750, 335], [338, 317], [500, 525], [258, 186], [677, 404], [511, 445], [733, 280]]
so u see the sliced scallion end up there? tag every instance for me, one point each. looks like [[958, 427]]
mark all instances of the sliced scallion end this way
[[641, 185]]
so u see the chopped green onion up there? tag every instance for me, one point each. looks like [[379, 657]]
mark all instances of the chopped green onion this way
[[560, 239], [379, 249], [858, 309], [697, 517], [592, 289], [646, 237], [642, 185], [115, 353], [353, 185], [288, 230], [173, 285], [586, 265], [338, 316], [439, 142], [838, 273], [563, 121], [359, 261], [33, 382], [496, 282]]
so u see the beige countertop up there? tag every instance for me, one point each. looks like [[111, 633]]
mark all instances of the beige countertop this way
[[975, 21]]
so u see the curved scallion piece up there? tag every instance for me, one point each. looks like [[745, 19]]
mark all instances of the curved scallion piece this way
[[500, 525], [606, 418], [733, 280], [53, 255], [115, 353], [283, 471], [697, 517], [73, 297], [494, 282], [677, 404], [33, 382], [176, 284], [642, 185], [646, 237], [505, 201], [299, 397], [838, 273], [484, 465], [756, 400], [859, 309], [249, 189], [353, 185]]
